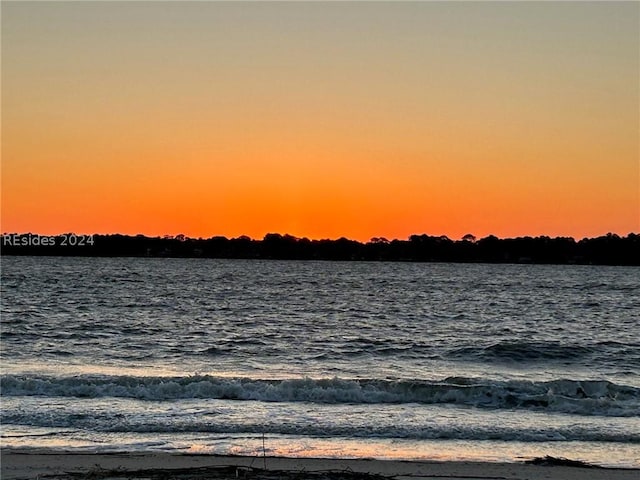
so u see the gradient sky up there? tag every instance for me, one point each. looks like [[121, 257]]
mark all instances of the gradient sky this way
[[321, 119]]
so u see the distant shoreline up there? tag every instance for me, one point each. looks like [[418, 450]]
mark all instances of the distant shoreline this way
[[610, 249]]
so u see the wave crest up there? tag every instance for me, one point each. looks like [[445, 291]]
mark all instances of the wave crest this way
[[566, 396]]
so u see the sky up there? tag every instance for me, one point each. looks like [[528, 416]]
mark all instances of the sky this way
[[321, 119]]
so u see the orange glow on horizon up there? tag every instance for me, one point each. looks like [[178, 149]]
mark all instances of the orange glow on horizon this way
[[357, 121]]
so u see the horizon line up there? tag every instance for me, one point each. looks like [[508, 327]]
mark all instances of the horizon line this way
[[375, 239]]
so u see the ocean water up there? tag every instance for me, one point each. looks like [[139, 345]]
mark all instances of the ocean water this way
[[328, 359]]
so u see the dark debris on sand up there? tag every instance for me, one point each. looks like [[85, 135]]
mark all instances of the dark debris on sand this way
[[559, 461]]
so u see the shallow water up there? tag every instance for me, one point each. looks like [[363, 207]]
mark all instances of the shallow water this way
[[388, 360]]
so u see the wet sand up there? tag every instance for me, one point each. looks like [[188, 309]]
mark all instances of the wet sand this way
[[29, 464]]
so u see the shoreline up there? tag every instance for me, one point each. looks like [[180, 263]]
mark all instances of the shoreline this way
[[22, 464], [609, 249]]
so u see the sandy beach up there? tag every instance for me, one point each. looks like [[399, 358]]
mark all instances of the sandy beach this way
[[17, 464]]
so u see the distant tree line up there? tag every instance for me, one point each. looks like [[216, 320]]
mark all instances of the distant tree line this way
[[610, 249]]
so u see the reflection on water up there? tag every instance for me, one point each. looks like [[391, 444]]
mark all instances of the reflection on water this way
[[440, 450], [603, 453]]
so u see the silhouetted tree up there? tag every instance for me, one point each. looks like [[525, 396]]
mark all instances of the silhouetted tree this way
[[610, 249]]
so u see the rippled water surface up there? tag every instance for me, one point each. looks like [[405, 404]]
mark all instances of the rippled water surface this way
[[399, 360]]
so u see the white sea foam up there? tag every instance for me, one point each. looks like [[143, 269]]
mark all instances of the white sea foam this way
[[566, 396]]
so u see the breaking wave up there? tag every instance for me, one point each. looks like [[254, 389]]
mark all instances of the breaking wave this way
[[601, 398]]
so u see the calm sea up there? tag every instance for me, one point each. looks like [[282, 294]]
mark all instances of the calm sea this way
[[387, 360]]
